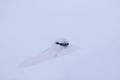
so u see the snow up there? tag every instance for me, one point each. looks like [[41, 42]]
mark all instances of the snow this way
[[27, 27]]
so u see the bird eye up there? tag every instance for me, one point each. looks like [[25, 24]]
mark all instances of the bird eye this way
[[67, 43], [57, 42]]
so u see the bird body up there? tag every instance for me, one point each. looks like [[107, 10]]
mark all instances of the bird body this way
[[60, 48]]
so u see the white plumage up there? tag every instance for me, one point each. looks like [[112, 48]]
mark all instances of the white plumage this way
[[60, 47]]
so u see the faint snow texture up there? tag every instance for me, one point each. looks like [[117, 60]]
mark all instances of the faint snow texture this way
[[28, 26]]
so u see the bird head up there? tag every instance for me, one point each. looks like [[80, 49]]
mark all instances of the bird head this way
[[62, 42]]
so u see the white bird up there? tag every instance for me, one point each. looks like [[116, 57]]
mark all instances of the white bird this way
[[60, 47]]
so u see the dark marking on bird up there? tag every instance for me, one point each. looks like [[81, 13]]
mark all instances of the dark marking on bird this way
[[62, 44]]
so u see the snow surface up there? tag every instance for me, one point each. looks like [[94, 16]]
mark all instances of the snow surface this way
[[27, 27]]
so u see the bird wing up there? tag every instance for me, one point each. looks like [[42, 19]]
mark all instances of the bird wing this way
[[46, 55]]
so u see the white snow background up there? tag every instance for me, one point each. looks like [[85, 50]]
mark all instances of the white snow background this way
[[27, 27]]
